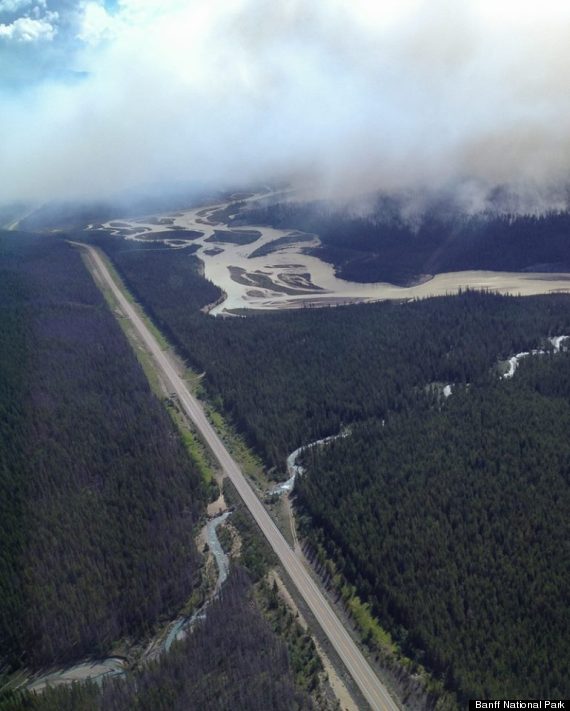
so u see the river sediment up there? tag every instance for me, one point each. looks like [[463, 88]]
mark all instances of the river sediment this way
[[284, 275]]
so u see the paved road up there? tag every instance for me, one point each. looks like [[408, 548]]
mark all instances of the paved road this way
[[367, 681]]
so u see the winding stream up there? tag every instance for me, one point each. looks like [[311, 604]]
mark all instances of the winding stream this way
[[182, 625], [513, 362], [97, 670], [294, 469]]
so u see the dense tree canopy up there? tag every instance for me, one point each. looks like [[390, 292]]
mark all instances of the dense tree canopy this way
[[452, 521], [462, 503], [98, 498], [289, 378], [381, 243], [231, 661]]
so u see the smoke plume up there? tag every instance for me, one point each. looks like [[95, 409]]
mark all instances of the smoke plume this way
[[350, 95]]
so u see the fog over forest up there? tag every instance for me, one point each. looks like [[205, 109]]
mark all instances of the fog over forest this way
[[347, 95]]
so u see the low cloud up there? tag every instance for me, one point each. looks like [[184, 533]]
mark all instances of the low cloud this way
[[345, 94], [28, 29]]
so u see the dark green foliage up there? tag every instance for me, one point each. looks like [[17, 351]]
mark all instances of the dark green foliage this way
[[453, 523], [98, 498], [305, 660], [12, 418], [286, 379], [168, 281], [231, 661], [289, 378], [256, 555]]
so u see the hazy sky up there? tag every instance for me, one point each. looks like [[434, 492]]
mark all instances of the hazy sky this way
[[100, 96]]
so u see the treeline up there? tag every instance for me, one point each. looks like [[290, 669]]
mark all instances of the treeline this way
[[232, 660], [453, 499], [257, 557], [98, 499], [167, 281], [383, 245], [451, 521], [286, 379]]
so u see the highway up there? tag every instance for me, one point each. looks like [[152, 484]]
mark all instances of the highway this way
[[365, 678]]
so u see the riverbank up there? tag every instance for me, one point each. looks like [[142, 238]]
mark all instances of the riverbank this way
[[114, 666], [274, 270]]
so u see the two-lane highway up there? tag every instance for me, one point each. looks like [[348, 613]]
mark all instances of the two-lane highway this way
[[369, 684]]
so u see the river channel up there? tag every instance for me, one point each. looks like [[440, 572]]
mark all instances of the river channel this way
[[286, 277], [98, 669]]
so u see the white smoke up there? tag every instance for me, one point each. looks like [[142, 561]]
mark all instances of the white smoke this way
[[349, 94]]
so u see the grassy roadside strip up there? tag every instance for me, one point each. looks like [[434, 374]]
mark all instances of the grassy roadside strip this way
[[144, 359], [255, 554], [197, 452], [257, 557], [413, 682], [250, 463], [126, 293], [259, 560]]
